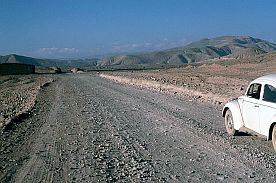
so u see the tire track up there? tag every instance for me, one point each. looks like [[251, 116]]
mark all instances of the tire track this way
[[98, 131]]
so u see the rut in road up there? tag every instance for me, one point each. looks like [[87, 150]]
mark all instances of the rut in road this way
[[99, 131]]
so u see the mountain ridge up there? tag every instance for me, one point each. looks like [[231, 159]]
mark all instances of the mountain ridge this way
[[14, 58], [197, 51]]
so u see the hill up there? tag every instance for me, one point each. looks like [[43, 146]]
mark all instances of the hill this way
[[246, 53], [13, 58], [199, 51]]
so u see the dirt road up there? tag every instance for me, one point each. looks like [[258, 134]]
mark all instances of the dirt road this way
[[87, 129]]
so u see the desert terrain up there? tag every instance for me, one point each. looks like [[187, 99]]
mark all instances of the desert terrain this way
[[134, 91], [151, 126], [18, 95], [216, 81]]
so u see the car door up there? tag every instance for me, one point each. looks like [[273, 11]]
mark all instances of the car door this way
[[250, 107], [267, 108]]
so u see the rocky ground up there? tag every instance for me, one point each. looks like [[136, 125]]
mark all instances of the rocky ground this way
[[214, 82], [87, 129], [18, 95]]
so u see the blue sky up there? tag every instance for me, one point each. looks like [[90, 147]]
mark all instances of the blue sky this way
[[86, 28]]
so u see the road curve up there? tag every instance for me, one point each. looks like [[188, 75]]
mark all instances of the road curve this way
[[88, 129]]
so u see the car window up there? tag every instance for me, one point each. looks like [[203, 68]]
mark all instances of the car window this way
[[269, 93], [254, 91]]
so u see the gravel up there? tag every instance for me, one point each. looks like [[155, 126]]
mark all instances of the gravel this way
[[18, 94], [87, 129]]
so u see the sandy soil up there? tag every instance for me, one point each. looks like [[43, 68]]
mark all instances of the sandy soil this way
[[18, 95]]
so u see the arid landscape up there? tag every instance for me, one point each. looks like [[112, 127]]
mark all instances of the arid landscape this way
[[18, 95], [137, 91], [159, 125], [215, 82]]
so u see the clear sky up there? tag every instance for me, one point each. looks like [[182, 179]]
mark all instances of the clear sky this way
[[86, 28]]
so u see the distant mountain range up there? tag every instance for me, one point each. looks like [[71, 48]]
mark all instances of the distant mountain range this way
[[199, 51], [13, 58]]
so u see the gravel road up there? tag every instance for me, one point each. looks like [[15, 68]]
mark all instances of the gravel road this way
[[87, 129]]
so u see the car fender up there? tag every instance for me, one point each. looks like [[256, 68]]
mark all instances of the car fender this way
[[272, 123], [235, 109]]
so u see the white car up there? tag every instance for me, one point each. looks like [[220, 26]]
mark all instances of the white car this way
[[255, 111]]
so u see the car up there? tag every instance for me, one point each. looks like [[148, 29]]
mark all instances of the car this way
[[255, 111]]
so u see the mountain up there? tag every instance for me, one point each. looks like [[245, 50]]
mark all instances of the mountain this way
[[13, 58], [82, 63], [246, 53], [235, 43], [199, 51]]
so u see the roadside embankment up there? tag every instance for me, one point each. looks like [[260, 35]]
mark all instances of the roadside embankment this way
[[212, 83], [168, 88], [18, 95], [215, 82]]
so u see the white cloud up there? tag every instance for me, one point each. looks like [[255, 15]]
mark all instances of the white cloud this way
[[165, 43], [68, 50], [48, 50], [54, 50], [130, 47], [148, 44], [135, 45]]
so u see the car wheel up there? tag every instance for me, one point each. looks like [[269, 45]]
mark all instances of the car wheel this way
[[274, 137], [229, 123]]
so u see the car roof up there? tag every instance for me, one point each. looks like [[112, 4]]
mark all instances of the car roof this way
[[270, 77]]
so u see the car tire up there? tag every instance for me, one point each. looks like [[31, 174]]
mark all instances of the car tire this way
[[273, 137], [229, 123]]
